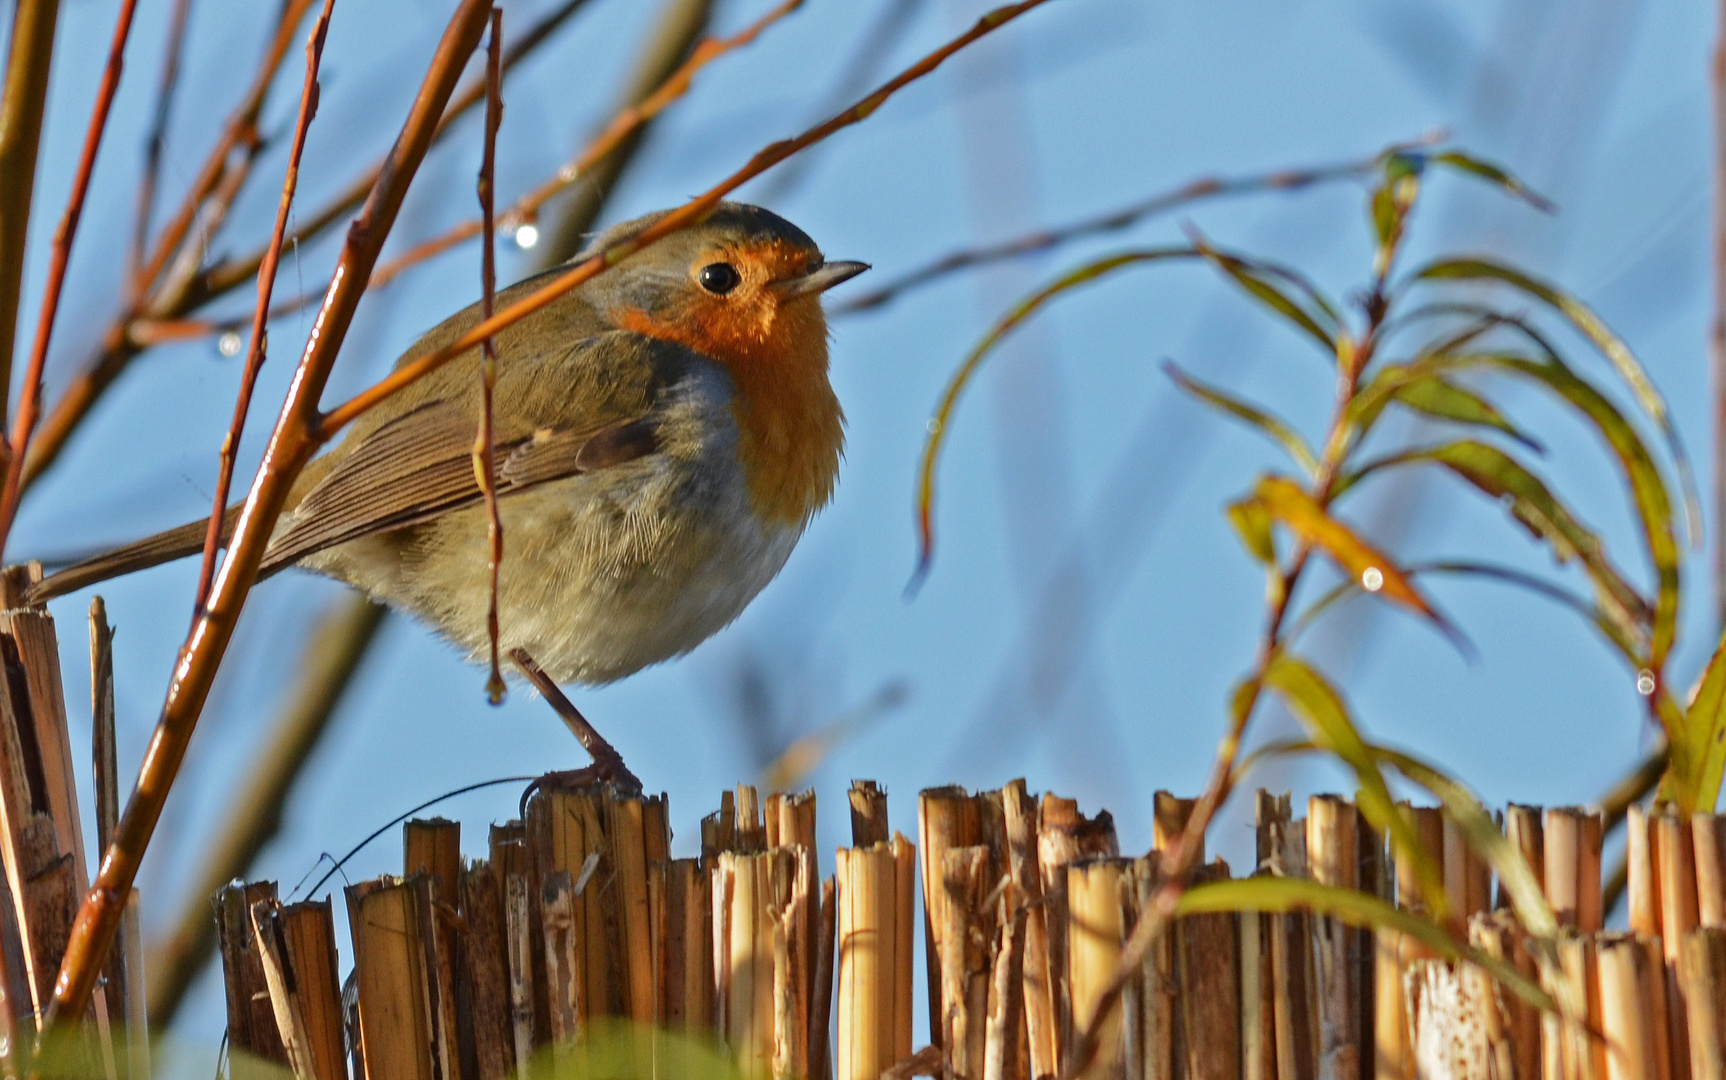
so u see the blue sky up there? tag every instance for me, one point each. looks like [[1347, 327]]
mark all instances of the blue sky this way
[[1072, 451]]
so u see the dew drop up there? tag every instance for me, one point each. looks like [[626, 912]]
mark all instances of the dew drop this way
[[229, 343], [527, 236], [1645, 682], [1372, 579], [933, 425]]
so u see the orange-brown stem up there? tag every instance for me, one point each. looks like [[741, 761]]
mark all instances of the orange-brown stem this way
[[291, 445], [261, 314], [60, 255], [485, 446]]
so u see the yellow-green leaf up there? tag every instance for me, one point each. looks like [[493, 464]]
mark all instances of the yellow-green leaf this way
[[1292, 506], [1265, 422], [1706, 724], [1445, 400], [1319, 706], [1277, 894], [1253, 524], [1493, 174], [1317, 317]]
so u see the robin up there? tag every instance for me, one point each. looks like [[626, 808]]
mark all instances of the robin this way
[[664, 433]]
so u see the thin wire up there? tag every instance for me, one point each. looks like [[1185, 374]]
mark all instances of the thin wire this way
[[397, 820]]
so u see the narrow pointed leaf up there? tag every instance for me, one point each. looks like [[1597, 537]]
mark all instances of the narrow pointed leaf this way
[[1285, 501], [1706, 724], [1445, 400], [956, 386], [1252, 522], [1277, 895], [1493, 174], [1321, 709], [1264, 422], [1591, 326], [1317, 317]]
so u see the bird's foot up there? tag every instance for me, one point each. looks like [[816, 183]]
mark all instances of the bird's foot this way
[[607, 767]]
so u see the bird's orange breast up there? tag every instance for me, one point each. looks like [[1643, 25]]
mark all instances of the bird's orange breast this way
[[791, 430]]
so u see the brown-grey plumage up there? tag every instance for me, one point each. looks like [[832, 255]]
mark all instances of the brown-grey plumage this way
[[660, 449]]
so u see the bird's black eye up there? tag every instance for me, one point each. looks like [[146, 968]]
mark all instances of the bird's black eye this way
[[719, 278]]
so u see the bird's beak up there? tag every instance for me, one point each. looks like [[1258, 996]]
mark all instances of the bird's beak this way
[[820, 279]]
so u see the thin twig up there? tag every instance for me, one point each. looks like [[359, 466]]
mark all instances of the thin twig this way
[[1125, 217], [225, 275], [177, 27], [291, 445], [60, 256], [525, 210], [260, 316], [27, 66], [485, 444], [688, 214]]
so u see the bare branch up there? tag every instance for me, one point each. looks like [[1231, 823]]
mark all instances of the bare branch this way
[[21, 109]]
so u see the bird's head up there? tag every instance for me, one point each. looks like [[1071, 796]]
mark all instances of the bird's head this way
[[742, 287]]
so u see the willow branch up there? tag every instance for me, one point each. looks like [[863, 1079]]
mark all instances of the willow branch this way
[[1202, 189], [485, 443], [332, 656], [260, 316], [230, 273], [158, 138], [60, 256], [291, 445], [688, 214], [137, 329], [26, 93]]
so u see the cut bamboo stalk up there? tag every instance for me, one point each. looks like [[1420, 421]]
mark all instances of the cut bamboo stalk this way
[[309, 933], [946, 819], [1572, 837], [1331, 857], [438, 963], [1393, 1041], [821, 1013], [868, 814], [1282, 853], [744, 956], [688, 951], [1702, 973], [1094, 933], [1019, 818], [719, 829], [566, 835], [627, 831], [1634, 1031], [1708, 833], [1375, 878], [512, 853], [904, 939], [1258, 1015], [867, 901], [751, 832], [563, 958], [1643, 883], [485, 956], [284, 992], [1169, 820], [1004, 1053], [432, 846], [395, 1018], [1207, 968], [30, 641], [1513, 1026], [1467, 878], [1152, 1021], [1066, 836], [1449, 1041], [1522, 828], [1675, 874], [517, 906], [793, 819], [105, 772], [1569, 1048], [137, 1014], [251, 1018]]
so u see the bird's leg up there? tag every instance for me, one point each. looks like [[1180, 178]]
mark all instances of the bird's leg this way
[[607, 764]]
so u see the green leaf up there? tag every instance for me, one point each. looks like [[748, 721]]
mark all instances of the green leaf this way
[[1445, 400], [961, 379], [1317, 317], [1285, 501], [1610, 345], [1252, 522], [1266, 423], [1705, 723], [1515, 876], [1321, 709], [1499, 476], [1493, 174], [1275, 895]]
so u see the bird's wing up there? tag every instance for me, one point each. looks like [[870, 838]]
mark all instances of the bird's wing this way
[[420, 465]]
